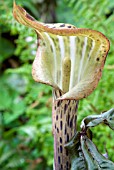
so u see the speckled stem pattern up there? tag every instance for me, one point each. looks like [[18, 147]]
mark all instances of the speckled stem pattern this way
[[64, 127]]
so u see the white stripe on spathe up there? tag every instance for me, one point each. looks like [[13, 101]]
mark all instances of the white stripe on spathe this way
[[61, 45], [55, 58], [92, 48], [73, 59], [62, 52], [82, 58]]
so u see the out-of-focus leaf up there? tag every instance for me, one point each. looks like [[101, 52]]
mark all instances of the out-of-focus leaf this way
[[17, 82], [5, 100], [6, 49], [14, 163], [17, 109], [6, 156], [29, 130]]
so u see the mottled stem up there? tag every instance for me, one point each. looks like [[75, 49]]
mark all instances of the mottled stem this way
[[64, 128]]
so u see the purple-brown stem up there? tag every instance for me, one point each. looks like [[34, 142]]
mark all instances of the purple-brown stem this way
[[64, 128]]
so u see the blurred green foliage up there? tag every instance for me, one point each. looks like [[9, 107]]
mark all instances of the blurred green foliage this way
[[26, 141]]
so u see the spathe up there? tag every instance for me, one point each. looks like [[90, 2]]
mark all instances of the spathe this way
[[68, 58]]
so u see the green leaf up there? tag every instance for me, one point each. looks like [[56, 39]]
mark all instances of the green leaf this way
[[94, 120], [93, 158], [76, 155], [90, 162], [109, 118], [83, 153]]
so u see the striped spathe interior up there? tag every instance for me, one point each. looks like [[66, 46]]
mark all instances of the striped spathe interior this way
[[87, 56], [68, 58]]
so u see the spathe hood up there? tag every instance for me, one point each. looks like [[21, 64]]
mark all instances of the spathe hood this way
[[68, 58]]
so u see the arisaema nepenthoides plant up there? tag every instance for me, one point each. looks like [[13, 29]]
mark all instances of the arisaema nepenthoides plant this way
[[70, 60]]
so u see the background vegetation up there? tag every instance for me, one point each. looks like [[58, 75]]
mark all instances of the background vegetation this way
[[26, 141]]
